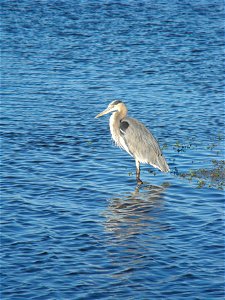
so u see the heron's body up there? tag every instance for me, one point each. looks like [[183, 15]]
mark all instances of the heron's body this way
[[135, 138]]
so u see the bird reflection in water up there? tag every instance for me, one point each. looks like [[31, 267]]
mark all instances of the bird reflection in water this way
[[126, 216]]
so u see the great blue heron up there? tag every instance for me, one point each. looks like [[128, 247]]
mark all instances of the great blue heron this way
[[134, 137]]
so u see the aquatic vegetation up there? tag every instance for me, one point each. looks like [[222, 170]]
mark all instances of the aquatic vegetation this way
[[213, 175], [210, 177], [179, 147]]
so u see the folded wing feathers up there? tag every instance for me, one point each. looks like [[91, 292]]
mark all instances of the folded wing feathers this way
[[143, 145]]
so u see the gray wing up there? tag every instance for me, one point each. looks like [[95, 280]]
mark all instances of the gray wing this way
[[141, 143]]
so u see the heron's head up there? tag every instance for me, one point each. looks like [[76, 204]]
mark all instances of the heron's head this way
[[116, 105]]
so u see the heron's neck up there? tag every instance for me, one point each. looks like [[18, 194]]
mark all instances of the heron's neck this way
[[114, 124], [122, 111]]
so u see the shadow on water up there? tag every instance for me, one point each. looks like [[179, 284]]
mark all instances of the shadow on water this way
[[126, 215]]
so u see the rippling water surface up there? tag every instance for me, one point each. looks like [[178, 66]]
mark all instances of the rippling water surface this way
[[74, 224]]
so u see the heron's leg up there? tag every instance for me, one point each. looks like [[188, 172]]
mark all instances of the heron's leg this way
[[139, 181]]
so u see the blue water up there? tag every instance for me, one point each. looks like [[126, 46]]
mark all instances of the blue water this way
[[74, 224]]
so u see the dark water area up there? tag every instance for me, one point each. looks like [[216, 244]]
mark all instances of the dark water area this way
[[74, 223]]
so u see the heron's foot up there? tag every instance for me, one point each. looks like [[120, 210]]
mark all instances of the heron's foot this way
[[139, 181]]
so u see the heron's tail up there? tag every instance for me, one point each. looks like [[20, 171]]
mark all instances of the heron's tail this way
[[161, 164]]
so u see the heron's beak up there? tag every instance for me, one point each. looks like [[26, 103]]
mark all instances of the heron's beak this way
[[104, 112]]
